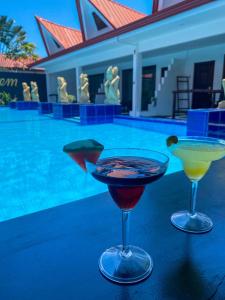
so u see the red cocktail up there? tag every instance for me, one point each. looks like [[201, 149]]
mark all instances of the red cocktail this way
[[126, 177], [127, 172]]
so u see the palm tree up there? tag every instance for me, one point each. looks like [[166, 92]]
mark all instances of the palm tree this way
[[13, 43]]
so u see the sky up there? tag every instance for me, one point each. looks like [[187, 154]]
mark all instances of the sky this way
[[59, 11]]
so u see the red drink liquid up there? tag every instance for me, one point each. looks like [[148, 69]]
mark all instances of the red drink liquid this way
[[126, 197], [126, 177]]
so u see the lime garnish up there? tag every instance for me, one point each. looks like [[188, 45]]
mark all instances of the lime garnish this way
[[173, 139]]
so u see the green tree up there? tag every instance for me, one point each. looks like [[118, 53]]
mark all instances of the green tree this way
[[13, 41]]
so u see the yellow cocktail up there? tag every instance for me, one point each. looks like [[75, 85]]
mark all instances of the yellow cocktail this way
[[196, 154]]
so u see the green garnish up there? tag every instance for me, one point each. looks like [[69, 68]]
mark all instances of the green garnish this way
[[83, 145], [173, 139]]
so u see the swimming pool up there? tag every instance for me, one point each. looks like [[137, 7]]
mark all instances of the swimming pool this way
[[36, 174]]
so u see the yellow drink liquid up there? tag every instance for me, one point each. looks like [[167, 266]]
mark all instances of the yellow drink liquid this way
[[197, 156]]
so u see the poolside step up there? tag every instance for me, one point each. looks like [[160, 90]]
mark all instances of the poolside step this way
[[170, 127]]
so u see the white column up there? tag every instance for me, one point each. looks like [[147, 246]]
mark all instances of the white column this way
[[78, 72], [48, 86], [137, 84], [51, 84]]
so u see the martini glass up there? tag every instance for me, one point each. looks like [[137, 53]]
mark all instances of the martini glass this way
[[196, 154], [127, 172]]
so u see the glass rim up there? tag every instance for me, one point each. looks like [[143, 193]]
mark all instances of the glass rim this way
[[140, 149], [201, 138]]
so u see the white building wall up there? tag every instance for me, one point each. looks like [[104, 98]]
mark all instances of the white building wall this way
[[184, 66], [164, 100], [186, 59], [215, 53]]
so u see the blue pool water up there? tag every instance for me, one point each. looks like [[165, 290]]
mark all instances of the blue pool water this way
[[36, 174]]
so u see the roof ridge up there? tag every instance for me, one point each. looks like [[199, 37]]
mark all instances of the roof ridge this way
[[67, 27], [127, 7]]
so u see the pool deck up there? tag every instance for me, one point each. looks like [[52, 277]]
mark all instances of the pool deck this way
[[163, 125], [181, 122], [53, 254]]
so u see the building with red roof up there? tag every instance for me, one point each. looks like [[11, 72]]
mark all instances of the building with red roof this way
[[58, 37], [107, 15], [8, 63], [180, 39]]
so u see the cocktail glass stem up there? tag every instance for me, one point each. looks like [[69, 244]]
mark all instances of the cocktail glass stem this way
[[193, 197], [125, 232]]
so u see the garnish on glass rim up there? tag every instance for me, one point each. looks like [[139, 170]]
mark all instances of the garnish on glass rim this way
[[83, 151], [173, 139]]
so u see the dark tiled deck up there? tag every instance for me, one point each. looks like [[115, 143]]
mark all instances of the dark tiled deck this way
[[53, 254]]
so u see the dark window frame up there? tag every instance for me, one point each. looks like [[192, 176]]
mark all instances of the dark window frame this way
[[99, 23], [56, 44], [163, 71], [155, 5]]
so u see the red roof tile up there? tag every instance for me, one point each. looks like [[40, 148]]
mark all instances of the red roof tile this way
[[7, 63], [65, 36], [117, 14]]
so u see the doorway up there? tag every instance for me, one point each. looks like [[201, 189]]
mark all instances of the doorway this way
[[203, 80], [127, 83], [95, 82], [148, 87], [163, 71], [222, 96]]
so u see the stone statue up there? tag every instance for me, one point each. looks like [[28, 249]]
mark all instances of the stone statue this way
[[222, 103], [111, 86], [84, 89], [223, 84], [63, 96], [62, 90], [26, 92], [34, 91]]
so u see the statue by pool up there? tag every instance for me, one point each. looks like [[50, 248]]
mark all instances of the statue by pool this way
[[111, 86], [84, 89], [222, 103], [26, 92], [34, 91], [62, 90], [63, 95], [223, 84]]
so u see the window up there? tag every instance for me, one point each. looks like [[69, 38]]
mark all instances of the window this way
[[161, 4], [163, 71], [56, 43], [98, 22]]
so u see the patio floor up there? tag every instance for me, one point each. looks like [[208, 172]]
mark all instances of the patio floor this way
[[53, 254]]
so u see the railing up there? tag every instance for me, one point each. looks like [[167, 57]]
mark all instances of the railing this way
[[176, 97]]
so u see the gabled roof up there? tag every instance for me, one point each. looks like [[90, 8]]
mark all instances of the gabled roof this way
[[117, 14], [156, 17], [65, 36]]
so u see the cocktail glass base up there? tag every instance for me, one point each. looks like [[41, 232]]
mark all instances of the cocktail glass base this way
[[197, 223], [125, 267]]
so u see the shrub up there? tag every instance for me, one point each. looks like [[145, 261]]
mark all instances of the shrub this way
[[71, 98], [5, 98]]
